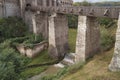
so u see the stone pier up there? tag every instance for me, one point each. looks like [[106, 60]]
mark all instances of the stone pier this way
[[115, 63], [37, 21], [42, 24], [88, 38], [58, 35]]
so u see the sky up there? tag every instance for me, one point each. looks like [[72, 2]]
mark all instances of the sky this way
[[94, 0]]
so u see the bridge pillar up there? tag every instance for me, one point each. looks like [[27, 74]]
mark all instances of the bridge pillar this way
[[115, 63], [88, 38], [58, 35], [42, 24]]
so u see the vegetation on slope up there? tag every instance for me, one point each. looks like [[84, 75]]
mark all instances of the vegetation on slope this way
[[12, 27], [95, 69], [14, 31], [72, 39], [11, 61]]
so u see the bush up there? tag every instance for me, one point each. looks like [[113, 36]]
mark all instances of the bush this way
[[72, 21], [107, 39], [29, 40], [106, 22], [12, 27], [33, 39], [13, 31], [11, 62]]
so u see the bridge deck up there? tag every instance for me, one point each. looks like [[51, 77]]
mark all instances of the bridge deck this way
[[95, 11]]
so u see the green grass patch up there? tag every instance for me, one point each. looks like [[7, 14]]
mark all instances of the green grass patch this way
[[107, 37], [40, 59], [72, 39], [63, 72], [95, 69], [43, 57]]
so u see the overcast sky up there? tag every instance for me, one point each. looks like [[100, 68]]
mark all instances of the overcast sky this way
[[94, 0]]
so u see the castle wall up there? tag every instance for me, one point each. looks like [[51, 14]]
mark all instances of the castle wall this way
[[1, 9], [42, 24], [9, 8]]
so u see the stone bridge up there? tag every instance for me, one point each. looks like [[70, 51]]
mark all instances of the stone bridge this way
[[48, 17]]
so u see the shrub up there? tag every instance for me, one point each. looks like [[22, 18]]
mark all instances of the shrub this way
[[72, 21], [107, 39], [33, 39], [11, 62], [12, 27], [106, 22]]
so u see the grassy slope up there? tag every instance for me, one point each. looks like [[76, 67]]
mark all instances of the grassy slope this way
[[96, 69], [42, 58]]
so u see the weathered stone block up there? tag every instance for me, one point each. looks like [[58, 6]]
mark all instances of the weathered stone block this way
[[58, 35], [115, 63], [88, 38], [32, 52], [42, 24]]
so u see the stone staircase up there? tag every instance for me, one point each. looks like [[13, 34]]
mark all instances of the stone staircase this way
[[67, 61]]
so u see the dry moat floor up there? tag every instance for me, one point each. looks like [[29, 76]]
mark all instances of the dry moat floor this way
[[96, 69]]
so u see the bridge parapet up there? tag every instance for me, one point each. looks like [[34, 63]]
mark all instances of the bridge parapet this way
[[111, 12]]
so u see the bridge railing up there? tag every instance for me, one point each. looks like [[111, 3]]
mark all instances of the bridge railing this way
[[95, 11]]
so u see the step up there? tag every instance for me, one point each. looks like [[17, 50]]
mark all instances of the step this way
[[71, 55], [59, 65], [67, 61]]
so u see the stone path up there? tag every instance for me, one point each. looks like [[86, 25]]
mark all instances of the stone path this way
[[67, 61], [50, 70]]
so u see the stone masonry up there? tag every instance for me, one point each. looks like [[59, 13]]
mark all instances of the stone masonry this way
[[37, 15], [58, 35], [42, 24], [115, 63], [9, 8], [88, 38]]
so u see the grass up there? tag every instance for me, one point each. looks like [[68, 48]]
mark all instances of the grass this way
[[107, 37], [72, 39], [62, 72], [42, 58], [96, 69]]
